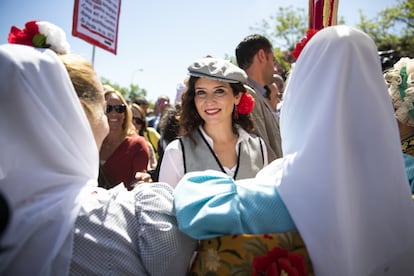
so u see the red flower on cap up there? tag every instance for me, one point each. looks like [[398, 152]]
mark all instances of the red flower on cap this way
[[300, 45], [246, 104]]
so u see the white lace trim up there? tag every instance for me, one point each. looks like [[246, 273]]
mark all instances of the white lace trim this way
[[393, 79]]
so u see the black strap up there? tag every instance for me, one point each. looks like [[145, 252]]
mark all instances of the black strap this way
[[261, 150], [183, 151], [238, 163]]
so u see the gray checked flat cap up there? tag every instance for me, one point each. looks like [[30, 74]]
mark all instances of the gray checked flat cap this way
[[217, 69]]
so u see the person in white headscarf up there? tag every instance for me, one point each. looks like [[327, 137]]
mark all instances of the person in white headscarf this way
[[61, 222], [342, 178]]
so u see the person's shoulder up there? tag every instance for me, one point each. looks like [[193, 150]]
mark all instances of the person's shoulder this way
[[249, 136], [173, 146], [135, 139], [244, 135], [250, 89], [152, 131], [257, 96]]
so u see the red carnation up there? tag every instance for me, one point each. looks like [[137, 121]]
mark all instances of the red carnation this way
[[25, 36], [300, 45], [246, 104]]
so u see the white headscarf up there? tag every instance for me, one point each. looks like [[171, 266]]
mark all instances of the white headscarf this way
[[344, 181], [48, 155]]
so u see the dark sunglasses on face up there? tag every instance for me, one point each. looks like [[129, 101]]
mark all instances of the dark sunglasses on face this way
[[138, 121], [119, 108]]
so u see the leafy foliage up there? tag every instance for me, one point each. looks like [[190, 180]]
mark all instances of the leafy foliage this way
[[284, 28], [393, 28]]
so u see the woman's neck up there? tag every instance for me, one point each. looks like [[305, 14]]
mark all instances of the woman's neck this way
[[224, 144], [220, 134], [114, 137]]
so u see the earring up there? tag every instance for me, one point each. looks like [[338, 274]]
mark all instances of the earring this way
[[235, 113]]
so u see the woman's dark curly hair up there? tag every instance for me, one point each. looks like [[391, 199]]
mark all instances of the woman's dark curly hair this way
[[190, 120]]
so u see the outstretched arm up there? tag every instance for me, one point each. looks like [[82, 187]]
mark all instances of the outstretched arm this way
[[210, 204]]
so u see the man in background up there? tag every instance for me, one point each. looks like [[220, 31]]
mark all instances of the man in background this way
[[254, 55]]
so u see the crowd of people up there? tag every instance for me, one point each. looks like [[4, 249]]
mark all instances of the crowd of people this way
[[248, 173]]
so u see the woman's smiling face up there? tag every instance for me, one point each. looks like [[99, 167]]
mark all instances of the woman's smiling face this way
[[214, 100], [115, 119]]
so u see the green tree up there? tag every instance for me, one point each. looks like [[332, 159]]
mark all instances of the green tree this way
[[392, 28], [285, 28], [136, 92]]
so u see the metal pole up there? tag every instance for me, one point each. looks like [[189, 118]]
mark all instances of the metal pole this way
[[93, 55]]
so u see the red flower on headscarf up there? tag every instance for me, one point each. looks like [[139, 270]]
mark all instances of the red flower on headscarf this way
[[300, 45], [25, 36], [40, 34], [246, 104], [277, 262]]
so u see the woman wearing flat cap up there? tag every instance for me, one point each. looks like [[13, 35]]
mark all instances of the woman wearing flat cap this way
[[216, 124], [346, 194]]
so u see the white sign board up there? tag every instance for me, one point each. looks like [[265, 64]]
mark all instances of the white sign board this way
[[96, 21]]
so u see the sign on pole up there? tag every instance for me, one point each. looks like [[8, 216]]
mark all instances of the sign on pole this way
[[96, 21]]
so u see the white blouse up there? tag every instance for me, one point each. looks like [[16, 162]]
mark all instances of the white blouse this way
[[172, 165]]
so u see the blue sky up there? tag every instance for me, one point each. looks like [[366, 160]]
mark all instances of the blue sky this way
[[157, 40]]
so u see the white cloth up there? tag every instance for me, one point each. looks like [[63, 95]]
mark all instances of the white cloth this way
[[172, 165], [48, 172], [343, 180], [48, 155]]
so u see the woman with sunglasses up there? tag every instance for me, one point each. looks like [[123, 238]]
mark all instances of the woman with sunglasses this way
[[150, 134], [123, 151]]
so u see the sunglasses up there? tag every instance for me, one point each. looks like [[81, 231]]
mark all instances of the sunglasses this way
[[119, 108], [138, 121]]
